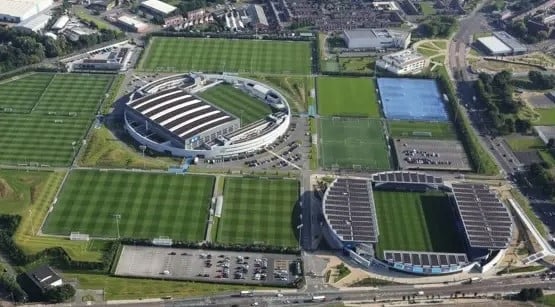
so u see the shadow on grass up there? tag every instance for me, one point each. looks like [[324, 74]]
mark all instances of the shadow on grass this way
[[441, 224]]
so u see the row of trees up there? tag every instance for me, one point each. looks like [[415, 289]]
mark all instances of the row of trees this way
[[541, 81], [21, 47], [521, 30], [438, 26], [540, 176]]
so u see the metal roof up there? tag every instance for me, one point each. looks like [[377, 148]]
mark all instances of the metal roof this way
[[406, 177], [494, 45], [158, 6]]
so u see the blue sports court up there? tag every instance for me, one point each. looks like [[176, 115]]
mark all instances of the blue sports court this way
[[412, 99]]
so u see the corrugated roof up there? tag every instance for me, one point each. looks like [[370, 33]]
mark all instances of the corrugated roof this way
[[494, 44], [159, 6]]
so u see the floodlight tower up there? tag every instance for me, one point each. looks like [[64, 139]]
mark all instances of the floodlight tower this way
[[117, 217]]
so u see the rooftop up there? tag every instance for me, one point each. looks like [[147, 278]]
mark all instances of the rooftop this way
[[374, 33], [35, 23], [404, 57], [494, 44], [159, 6], [510, 41], [43, 276], [20, 7]]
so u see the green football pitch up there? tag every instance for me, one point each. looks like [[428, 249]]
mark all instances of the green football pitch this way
[[45, 120], [353, 144], [416, 221], [148, 205], [258, 210], [338, 96], [229, 55], [234, 101], [423, 130]]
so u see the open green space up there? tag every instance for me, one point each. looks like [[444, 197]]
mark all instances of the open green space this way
[[419, 129], [547, 117], [427, 8], [427, 52], [297, 89], [229, 55], [18, 189], [56, 116], [259, 210], [236, 102], [357, 65], [148, 205], [353, 144], [120, 288], [416, 221], [524, 143], [19, 94], [339, 96]]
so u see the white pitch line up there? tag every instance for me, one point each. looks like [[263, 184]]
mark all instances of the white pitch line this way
[[283, 159]]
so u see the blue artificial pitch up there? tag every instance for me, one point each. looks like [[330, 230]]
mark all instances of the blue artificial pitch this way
[[411, 99]]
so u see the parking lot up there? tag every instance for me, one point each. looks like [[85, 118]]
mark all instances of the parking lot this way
[[208, 265], [431, 154]]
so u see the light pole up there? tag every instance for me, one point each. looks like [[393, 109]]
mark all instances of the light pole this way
[[143, 148], [117, 217]]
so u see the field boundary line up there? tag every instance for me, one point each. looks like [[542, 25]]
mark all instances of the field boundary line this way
[[42, 94], [53, 203]]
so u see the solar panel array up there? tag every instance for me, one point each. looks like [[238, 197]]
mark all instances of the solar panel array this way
[[406, 177], [426, 259], [486, 220], [349, 208]]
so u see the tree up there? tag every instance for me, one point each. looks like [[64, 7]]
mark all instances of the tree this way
[[59, 294], [550, 143]]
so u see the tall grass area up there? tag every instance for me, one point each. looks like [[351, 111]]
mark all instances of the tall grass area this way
[[295, 88], [105, 150]]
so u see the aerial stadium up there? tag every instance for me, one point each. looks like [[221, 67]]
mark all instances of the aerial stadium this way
[[179, 116], [416, 223]]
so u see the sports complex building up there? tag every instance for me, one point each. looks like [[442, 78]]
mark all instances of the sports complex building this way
[[169, 116], [481, 220]]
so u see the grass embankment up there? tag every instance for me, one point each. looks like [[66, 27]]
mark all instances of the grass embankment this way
[[525, 205], [373, 282], [105, 150], [296, 89], [120, 288], [314, 147], [37, 191], [112, 94], [524, 269]]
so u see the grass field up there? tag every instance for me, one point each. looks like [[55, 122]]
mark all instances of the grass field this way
[[240, 104], [338, 96], [258, 210], [45, 134], [524, 143], [119, 288], [346, 143], [362, 64], [297, 89], [427, 8], [18, 189], [401, 128], [150, 205], [547, 117], [215, 55], [415, 221]]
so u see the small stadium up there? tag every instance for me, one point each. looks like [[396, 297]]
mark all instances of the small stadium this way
[[204, 115], [416, 223]]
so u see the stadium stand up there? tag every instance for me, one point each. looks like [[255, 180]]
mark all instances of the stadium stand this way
[[349, 209], [486, 220]]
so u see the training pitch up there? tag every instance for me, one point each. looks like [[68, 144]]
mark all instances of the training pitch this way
[[144, 205], [45, 124], [419, 129], [353, 144], [259, 210], [229, 55], [338, 96], [234, 101], [416, 221]]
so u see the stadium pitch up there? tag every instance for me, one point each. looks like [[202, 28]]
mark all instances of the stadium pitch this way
[[337, 96], [259, 210], [47, 121], [353, 144], [416, 221], [144, 205], [229, 55], [234, 101], [420, 129]]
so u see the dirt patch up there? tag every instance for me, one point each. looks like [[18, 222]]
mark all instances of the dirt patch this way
[[5, 189]]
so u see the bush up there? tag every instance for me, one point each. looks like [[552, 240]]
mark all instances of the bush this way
[[10, 285], [59, 294]]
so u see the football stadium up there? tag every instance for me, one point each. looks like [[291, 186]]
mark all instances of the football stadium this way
[[190, 115], [417, 223]]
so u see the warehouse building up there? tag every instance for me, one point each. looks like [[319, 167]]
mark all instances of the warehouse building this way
[[131, 24], [60, 23], [257, 16], [501, 43], [376, 39], [17, 11], [157, 8], [35, 23], [403, 62]]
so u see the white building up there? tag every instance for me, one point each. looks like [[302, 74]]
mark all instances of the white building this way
[[376, 39], [61, 22], [19, 10], [157, 7], [132, 24], [403, 62], [35, 23]]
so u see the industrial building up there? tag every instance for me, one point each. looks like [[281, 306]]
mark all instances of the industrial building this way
[[157, 8], [501, 43], [403, 62], [376, 39], [60, 23], [257, 16], [131, 24], [108, 61], [35, 23], [17, 11]]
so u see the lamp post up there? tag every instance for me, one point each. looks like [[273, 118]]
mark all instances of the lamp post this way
[[143, 148], [117, 217]]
